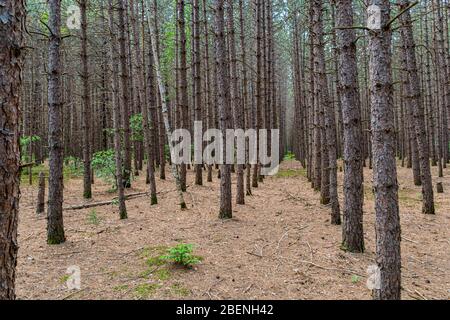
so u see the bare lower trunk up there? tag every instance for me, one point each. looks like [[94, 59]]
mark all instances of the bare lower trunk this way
[[87, 189], [55, 225], [225, 211], [197, 81], [352, 231], [165, 114], [40, 208], [125, 94], [143, 104], [11, 63], [185, 118], [115, 61], [235, 99], [330, 166], [418, 112], [385, 186]]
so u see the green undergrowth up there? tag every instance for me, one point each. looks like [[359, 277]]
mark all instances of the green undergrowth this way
[[291, 173], [161, 265]]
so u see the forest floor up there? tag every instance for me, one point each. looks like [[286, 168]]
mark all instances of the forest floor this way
[[280, 245]]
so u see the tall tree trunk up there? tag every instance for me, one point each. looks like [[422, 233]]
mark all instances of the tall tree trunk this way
[[115, 62], [225, 211], [207, 72], [143, 103], [258, 89], [321, 91], [235, 98], [316, 151], [245, 95], [443, 76], [124, 77], [352, 231], [11, 62], [185, 118], [165, 114], [385, 186], [197, 81], [55, 225], [87, 189], [417, 108], [161, 127]]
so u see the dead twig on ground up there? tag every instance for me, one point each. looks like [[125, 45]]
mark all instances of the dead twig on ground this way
[[105, 203], [348, 271], [73, 293]]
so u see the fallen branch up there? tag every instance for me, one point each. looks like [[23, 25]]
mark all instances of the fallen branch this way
[[25, 165], [105, 203], [348, 271], [73, 293], [254, 254]]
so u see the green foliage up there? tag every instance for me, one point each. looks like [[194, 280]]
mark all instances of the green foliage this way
[[167, 152], [181, 254], [291, 173], [64, 278], [109, 131], [146, 290], [355, 278], [93, 218], [121, 287], [35, 170], [163, 274], [74, 166], [180, 290], [104, 165], [136, 126], [25, 142], [289, 156]]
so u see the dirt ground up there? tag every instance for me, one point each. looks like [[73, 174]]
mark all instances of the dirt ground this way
[[280, 245]]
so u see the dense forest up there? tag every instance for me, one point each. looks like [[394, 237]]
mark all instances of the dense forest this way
[[224, 149]]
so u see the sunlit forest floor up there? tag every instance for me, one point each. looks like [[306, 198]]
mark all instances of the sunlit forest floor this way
[[280, 245]]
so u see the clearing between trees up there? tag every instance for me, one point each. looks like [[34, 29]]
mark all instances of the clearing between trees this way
[[280, 245]]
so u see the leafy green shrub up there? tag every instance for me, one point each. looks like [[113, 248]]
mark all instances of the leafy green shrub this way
[[181, 254], [25, 142], [74, 166], [167, 152], [93, 218], [104, 165], [289, 156], [136, 126]]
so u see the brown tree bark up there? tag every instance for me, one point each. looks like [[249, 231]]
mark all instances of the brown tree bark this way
[[329, 191], [417, 109], [40, 208], [258, 89], [143, 103], [86, 100], [352, 230], [125, 93], [385, 186], [197, 80], [235, 98], [55, 224], [207, 77], [443, 78], [245, 95], [185, 118], [161, 126], [165, 114], [225, 211], [115, 62], [11, 63]]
